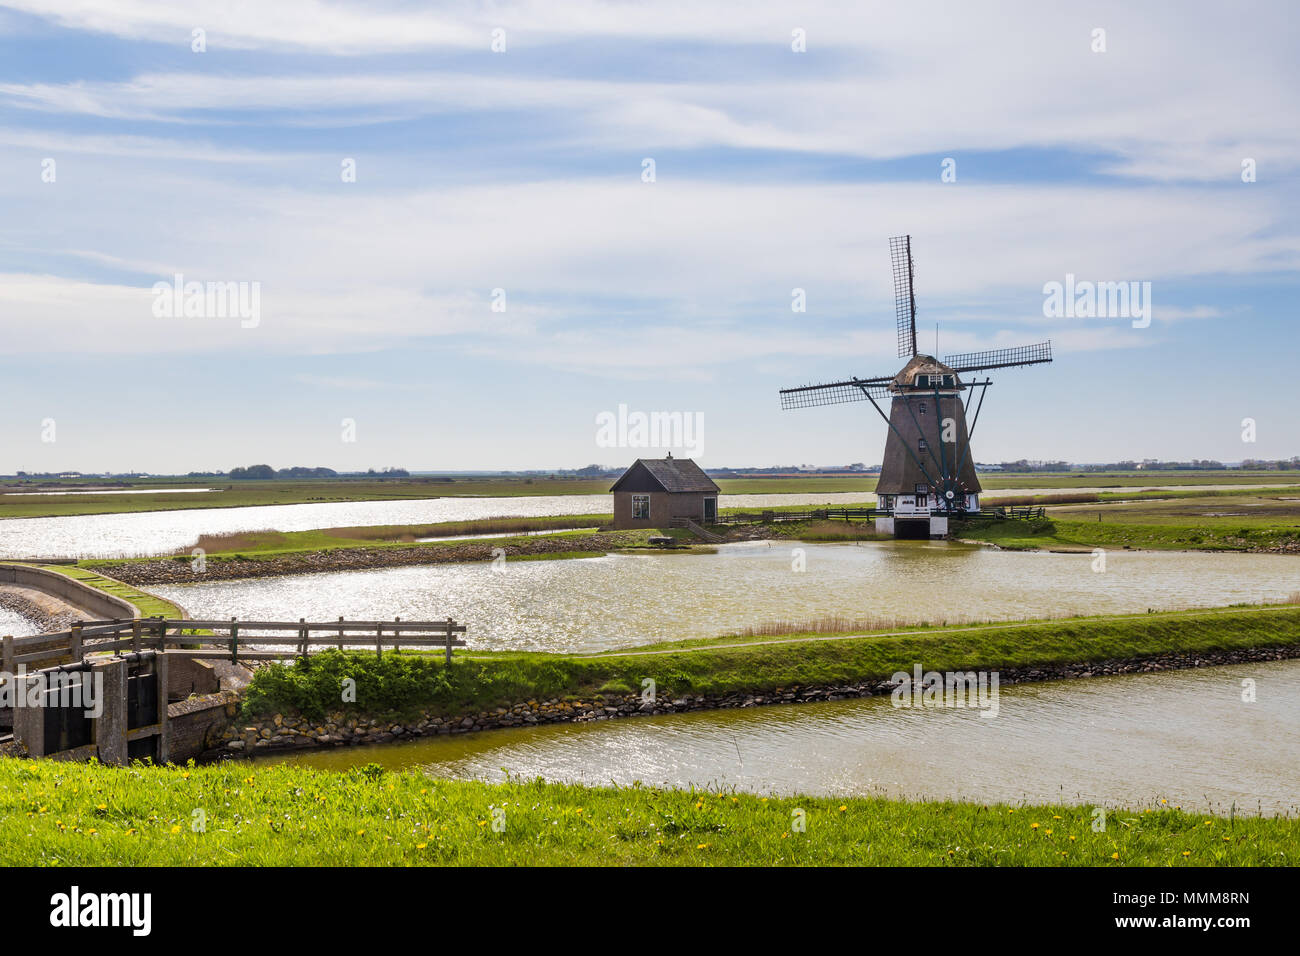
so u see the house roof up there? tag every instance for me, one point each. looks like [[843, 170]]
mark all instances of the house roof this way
[[923, 365], [670, 474]]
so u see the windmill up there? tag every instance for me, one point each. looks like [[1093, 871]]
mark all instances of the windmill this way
[[928, 474]]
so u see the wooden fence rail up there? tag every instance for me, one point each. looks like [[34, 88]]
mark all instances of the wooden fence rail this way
[[232, 639]]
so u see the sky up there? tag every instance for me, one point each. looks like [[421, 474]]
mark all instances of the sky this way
[[454, 255]]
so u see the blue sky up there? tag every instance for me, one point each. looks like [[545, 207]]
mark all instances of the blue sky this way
[[522, 170]]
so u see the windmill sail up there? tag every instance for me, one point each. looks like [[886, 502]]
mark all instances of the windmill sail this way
[[1000, 358], [900, 255], [835, 393]]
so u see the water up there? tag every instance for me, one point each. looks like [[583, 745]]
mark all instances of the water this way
[[621, 600], [119, 491], [1182, 736], [164, 532], [14, 624]]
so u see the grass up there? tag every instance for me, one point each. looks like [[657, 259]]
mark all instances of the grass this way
[[234, 814], [325, 539], [403, 683], [235, 494], [1236, 523], [148, 605]]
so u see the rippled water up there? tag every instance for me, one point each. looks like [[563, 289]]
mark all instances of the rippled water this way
[[621, 600], [120, 491], [15, 625], [163, 532], [1184, 736]]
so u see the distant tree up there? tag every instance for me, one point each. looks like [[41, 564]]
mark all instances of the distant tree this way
[[253, 471]]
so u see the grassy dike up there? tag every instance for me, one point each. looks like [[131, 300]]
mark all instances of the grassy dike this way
[[403, 683], [59, 814]]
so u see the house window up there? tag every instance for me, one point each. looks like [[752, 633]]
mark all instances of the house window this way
[[923, 381], [641, 506], [921, 445], [922, 408]]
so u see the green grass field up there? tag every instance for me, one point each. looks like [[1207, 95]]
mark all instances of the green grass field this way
[[1216, 522], [237, 814], [235, 494]]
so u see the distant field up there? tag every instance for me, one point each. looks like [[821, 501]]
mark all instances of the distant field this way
[[1228, 522], [234, 494]]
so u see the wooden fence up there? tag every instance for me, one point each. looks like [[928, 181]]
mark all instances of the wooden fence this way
[[848, 514], [233, 639]]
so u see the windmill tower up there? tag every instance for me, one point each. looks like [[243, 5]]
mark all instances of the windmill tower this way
[[928, 474]]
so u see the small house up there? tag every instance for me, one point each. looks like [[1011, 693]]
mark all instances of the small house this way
[[656, 490]]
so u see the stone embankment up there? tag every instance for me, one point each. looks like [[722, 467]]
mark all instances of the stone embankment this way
[[44, 613], [179, 570], [338, 729]]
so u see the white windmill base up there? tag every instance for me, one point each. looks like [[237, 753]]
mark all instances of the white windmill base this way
[[938, 524]]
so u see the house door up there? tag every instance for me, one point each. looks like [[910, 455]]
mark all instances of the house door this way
[[710, 509]]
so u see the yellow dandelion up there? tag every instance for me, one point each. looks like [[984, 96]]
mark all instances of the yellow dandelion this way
[[1114, 856], [421, 846], [1033, 826], [843, 808], [176, 829], [1187, 853]]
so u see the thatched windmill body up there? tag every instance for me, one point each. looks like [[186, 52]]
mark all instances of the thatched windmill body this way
[[927, 474]]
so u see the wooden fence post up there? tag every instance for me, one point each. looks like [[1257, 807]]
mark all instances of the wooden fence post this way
[[234, 642], [379, 640], [450, 635], [74, 643], [8, 653], [135, 636], [162, 633], [340, 632], [302, 637]]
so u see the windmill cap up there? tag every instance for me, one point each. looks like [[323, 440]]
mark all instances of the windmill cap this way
[[925, 365]]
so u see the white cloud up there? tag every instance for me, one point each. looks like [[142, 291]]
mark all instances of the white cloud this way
[[583, 262]]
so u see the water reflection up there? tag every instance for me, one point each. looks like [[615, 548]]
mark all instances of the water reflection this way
[[1184, 736], [622, 600]]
